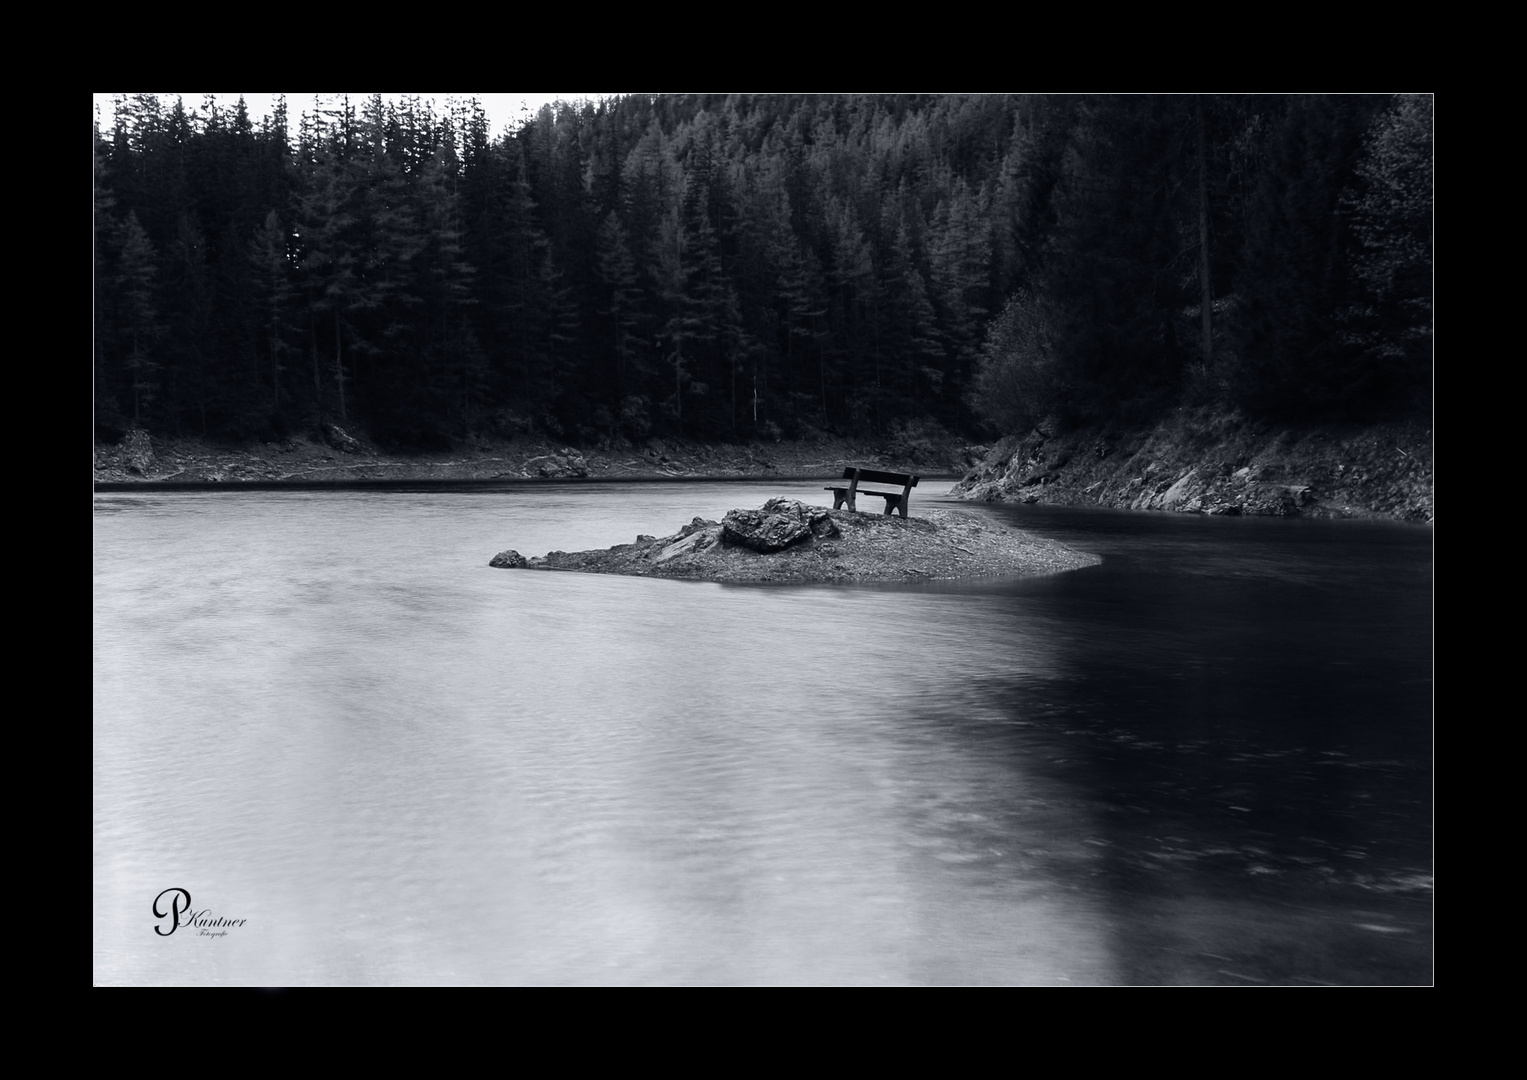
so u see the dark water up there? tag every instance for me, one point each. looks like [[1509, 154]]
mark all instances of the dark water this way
[[1207, 760]]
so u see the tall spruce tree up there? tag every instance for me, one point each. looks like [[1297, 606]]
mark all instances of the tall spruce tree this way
[[270, 261], [1294, 360], [1389, 207], [139, 321]]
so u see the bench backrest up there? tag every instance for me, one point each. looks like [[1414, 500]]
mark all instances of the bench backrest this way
[[871, 476]]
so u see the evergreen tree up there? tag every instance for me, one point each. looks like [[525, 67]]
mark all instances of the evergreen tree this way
[[270, 260], [681, 325], [198, 379], [104, 313], [961, 266], [1018, 382], [802, 303], [1389, 207], [1115, 269], [617, 270], [140, 318], [449, 283], [854, 315], [912, 331], [1294, 359], [330, 255]]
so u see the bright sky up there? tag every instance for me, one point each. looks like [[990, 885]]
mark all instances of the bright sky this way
[[502, 109]]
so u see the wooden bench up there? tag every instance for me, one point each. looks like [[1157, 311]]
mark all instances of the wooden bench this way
[[895, 496]]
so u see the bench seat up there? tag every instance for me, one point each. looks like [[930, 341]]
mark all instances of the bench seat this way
[[894, 488]]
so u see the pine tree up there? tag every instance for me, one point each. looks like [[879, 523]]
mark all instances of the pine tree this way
[[961, 280], [1389, 206], [449, 286], [1295, 279], [672, 274], [802, 303], [104, 315], [140, 319], [855, 311], [1018, 383], [199, 379], [531, 311], [914, 340], [270, 263], [617, 270], [1116, 268], [329, 252]]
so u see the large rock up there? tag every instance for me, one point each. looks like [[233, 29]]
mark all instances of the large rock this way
[[691, 541], [509, 560], [1180, 492], [567, 463], [779, 524], [1278, 500], [340, 440], [137, 452]]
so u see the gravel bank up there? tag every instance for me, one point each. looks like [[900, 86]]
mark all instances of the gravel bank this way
[[815, 544]]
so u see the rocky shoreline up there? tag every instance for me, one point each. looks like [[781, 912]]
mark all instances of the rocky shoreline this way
[[786, 541], [336, 456], [1194, 461], [1204, 462]]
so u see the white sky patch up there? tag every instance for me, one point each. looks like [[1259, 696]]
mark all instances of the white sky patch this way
[[504, 110]]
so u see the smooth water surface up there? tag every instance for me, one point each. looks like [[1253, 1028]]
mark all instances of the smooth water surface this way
[[1207, 760]]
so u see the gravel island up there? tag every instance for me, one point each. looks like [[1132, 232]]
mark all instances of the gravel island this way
[[791, 542]]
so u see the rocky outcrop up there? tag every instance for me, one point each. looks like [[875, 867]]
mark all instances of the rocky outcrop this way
[[1201, 462], [138, 453], [789, 541], [568, 463], [340, 440], [780, 523]]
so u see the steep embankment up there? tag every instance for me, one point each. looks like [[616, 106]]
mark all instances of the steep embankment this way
[[1203, 462], [790, 542]]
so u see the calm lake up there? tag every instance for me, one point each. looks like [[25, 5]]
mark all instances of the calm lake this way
[[1207, 760]]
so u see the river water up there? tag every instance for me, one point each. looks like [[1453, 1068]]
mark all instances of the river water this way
[[1207, 760]]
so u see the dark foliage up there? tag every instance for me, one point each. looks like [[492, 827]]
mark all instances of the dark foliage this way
[[738, 266]]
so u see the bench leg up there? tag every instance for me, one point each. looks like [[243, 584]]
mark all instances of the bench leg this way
[[891, 504], [841, 496]]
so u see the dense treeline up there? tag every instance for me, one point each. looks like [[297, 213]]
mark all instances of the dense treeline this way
[[728, 267]]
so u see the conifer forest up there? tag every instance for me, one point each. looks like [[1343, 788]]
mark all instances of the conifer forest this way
[[730, 268]]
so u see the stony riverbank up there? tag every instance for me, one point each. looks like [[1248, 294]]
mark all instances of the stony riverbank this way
[[791, 542], [1206, 462], [337, 455]]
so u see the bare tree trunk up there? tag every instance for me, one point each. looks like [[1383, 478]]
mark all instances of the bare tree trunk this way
[[822, 372], [339, 367], [137, 372], [275, 358], [678, 380], [313, 343], [1205, 290]]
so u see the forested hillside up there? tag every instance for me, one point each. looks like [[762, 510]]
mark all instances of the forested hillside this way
[[727, 268]]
